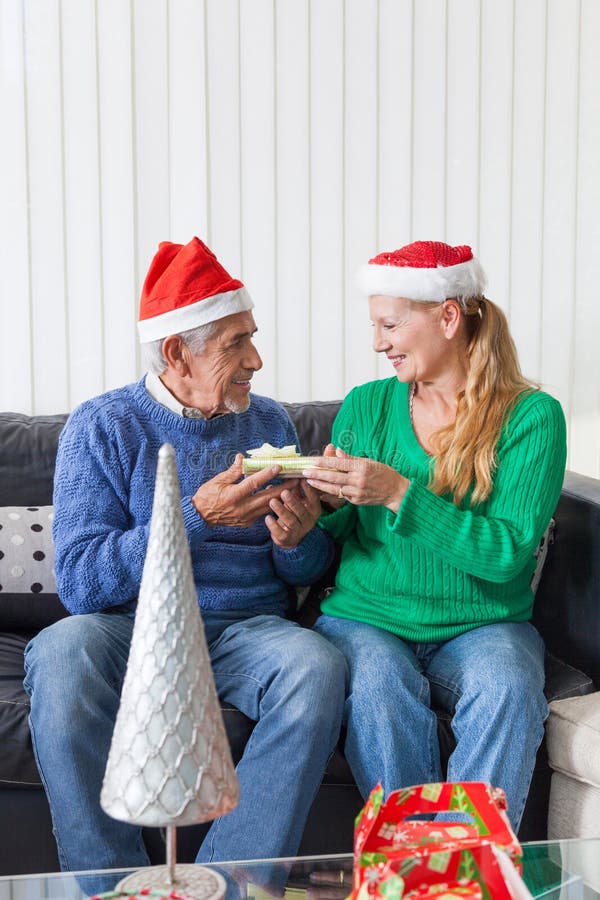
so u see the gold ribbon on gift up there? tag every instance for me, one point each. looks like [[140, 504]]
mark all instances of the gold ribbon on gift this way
[[289, 465]]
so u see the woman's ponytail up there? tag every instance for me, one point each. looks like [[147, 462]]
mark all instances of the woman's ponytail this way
[[466, 450]]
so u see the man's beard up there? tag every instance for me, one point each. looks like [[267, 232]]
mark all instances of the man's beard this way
[[237, 406]]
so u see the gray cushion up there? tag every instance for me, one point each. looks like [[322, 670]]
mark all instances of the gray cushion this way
[[28, 596], [17, 763], [573, 737], [573, 811]]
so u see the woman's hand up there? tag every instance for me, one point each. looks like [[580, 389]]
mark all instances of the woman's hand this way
[[361, 481], [332, 500]]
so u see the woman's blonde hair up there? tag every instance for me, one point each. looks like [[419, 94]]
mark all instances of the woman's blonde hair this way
[[466, 450]]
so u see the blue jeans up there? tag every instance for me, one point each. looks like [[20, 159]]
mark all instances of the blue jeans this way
[[490, 680], [288, 679]]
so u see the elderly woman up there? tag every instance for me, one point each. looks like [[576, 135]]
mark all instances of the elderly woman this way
[[440, 481]]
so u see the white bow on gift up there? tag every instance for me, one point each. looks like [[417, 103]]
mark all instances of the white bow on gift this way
[[169, 762]]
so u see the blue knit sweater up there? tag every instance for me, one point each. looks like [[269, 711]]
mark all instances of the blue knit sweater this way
[[103, 493]]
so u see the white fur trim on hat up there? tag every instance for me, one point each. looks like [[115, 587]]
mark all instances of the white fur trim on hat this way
[[438, 283], [200, 313]]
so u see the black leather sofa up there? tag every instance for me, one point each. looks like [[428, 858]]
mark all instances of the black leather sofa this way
[[566, 612]]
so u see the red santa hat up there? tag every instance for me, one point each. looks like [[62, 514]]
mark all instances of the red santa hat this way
[[187, 286], [425, 270]]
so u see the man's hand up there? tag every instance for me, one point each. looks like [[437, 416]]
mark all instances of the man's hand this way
[[297, 510], [223, 501]]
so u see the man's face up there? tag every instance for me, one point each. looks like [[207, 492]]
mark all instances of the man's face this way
[[219, 377]]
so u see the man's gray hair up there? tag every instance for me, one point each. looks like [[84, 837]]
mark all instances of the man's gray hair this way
[[195, 338]]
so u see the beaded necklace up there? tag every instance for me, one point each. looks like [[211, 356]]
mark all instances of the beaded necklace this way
[[411, 399]]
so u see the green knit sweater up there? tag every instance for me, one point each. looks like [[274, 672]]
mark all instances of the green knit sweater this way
[[435, 570]]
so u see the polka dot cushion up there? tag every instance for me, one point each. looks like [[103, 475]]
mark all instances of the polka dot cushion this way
[[27, 567]]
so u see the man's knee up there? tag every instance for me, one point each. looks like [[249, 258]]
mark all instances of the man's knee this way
[[53, 644], [315, 676], [319, 659], [71, 650]]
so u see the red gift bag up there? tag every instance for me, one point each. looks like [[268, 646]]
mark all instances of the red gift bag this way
[[396, 856]]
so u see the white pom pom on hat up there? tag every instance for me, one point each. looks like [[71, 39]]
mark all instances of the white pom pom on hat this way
[[424, 270]]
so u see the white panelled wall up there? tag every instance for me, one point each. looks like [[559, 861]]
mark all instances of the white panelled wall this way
[[297, 138]]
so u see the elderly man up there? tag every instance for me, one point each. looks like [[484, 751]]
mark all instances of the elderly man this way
[[249, 539]]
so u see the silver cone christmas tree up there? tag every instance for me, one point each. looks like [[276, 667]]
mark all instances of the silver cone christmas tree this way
[[169, 762]]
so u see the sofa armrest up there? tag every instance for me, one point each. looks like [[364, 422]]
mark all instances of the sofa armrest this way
[[567, 607]]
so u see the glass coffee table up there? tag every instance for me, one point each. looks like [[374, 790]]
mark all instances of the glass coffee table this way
[[554, 870]]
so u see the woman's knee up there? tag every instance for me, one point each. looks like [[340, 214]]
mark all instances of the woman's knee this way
[[373, 654], [511, 695]]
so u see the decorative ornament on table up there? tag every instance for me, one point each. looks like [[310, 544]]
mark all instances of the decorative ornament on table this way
[[169, 762]]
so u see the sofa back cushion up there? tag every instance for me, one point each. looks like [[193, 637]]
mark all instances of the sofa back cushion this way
[[28, 445], [28, 448], [27, 456], [313, 422]]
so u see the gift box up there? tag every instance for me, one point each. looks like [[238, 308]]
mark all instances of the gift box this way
[[397, 856]]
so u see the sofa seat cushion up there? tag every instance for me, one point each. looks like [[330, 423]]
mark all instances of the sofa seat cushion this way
[[17, 764], [563, 680], [573, 736]]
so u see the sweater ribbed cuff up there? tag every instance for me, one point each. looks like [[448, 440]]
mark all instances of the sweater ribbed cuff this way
[[304, 563]]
